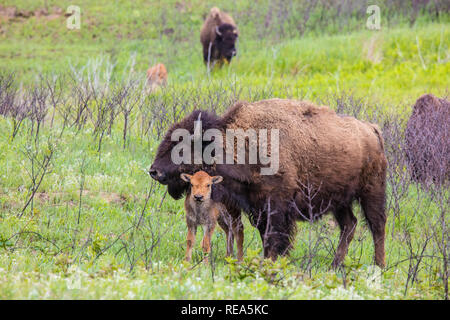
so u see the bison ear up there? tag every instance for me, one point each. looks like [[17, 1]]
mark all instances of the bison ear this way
[[185, 177], [217, 179]]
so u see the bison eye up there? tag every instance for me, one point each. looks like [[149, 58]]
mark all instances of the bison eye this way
[[208, 185]]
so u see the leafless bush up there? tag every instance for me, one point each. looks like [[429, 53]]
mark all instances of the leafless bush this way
[[129, 96], [317, 235], [15, 103], [77, 110], [398, 178], [145, 233], [40, 164], [56, 97], [8, 92], [39, 107]]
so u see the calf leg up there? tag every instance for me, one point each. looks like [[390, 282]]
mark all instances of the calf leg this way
[[206, 242], [347, 223], [190, 240]]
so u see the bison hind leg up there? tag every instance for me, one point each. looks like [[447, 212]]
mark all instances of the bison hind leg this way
[[373, 205], [224, 221], [347, 223]]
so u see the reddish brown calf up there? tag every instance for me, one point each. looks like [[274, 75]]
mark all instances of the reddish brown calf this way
[[202, 210]]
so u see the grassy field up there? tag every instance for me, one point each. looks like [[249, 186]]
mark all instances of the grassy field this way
[[95, 226]]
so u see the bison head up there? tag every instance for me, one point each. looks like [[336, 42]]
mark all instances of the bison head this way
[[226, 36], [163, 169]]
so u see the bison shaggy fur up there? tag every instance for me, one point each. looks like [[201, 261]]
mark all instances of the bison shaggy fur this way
[[326, 162], [427, 140]]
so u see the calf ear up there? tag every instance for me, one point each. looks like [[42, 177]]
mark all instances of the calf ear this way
[[186, 177], [217, 179]]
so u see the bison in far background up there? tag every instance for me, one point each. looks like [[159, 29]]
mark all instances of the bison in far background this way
[[427, 140], [156, 76], [218, 37]]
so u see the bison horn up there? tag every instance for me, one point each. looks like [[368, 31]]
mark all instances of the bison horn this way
[[218, 32], [197, 127]]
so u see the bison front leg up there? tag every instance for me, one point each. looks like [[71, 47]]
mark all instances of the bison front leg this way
[[225, 223], [276, 230], [238, 232], [347, 223]]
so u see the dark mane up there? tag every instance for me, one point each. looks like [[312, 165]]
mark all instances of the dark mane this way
[[224, 27], [177, 187]]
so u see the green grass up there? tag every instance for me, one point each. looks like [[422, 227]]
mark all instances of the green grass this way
[[382, 65], [63, 242]]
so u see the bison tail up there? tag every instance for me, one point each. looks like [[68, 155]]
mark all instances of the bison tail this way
[[379, 134]]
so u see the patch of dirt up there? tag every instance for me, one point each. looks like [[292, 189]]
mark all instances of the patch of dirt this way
[[14, 14], [109, 197], [112, 197], [168, 31]]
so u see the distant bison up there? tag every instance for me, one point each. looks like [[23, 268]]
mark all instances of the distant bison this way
[[218, 37], [325, 163], [156, 76], [427, 140]]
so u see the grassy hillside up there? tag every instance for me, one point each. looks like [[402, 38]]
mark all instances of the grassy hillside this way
[[95, 226], [392, 65]]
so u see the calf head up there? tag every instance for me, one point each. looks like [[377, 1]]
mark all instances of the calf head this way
[[201, 185]]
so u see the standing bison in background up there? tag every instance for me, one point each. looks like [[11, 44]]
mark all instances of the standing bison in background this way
[[428, 141], [325, 163], [218, 37]]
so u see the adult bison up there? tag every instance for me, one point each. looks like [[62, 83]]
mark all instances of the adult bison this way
[[218, 37], [325, 162], [427, 140]]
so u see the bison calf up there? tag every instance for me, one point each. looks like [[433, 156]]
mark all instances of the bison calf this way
[[156, 76], [218, 37], [202, 210]]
